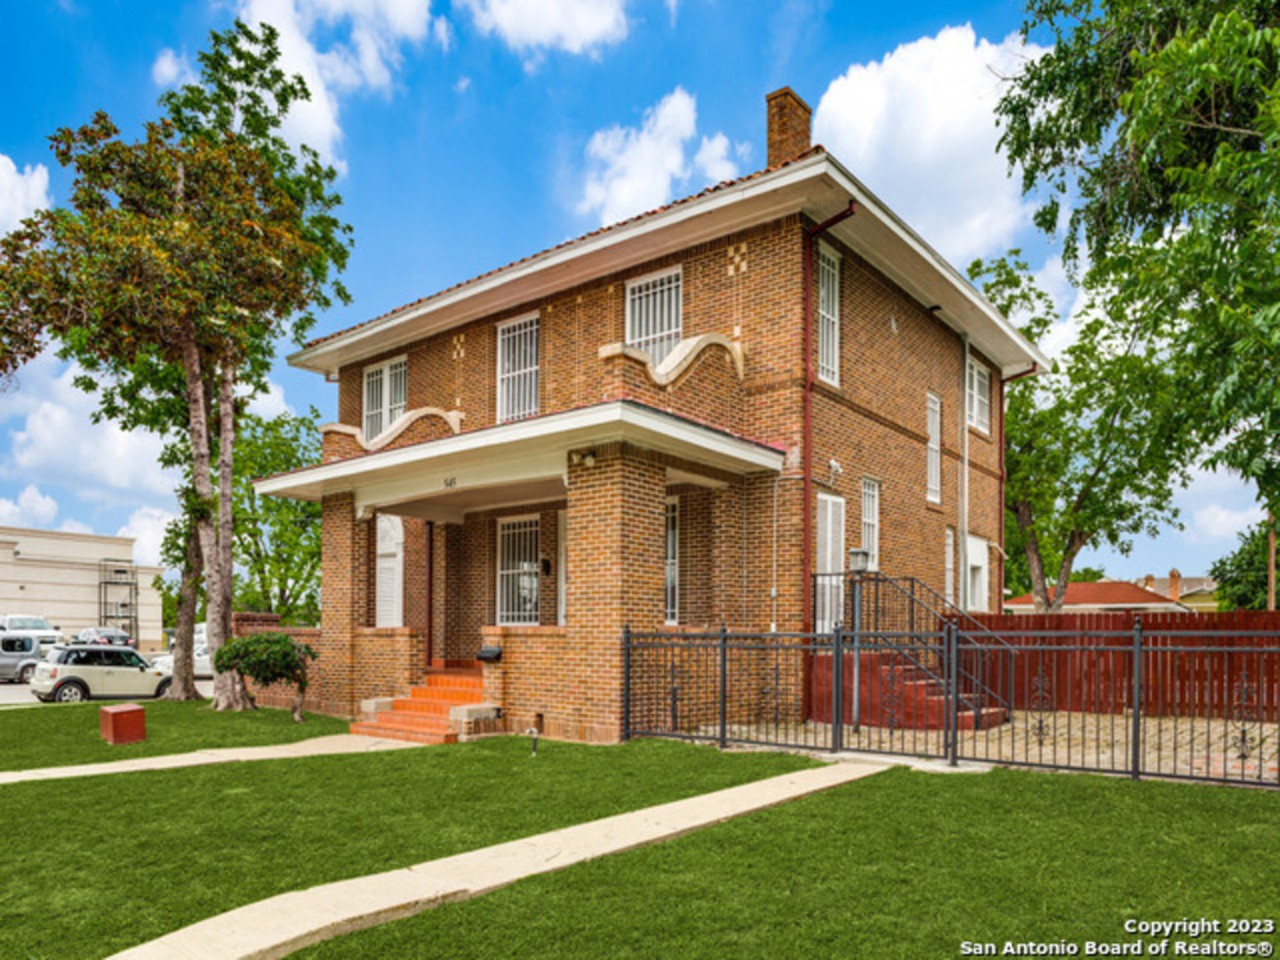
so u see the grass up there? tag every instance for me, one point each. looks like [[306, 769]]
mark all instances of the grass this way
[[902, 864], [60, 734], [97, 864]]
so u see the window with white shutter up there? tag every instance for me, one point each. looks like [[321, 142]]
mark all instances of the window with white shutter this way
[[828, 316], [871, 522], [518, 570], [518, 369], [655, 313], [933, 480], [979, 396], [979, 574], [672, 598], [385, 395], [389, 573], [949, 566], [831, 560]]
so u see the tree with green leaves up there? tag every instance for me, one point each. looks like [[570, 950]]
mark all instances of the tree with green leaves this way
[[1153, 132], [1242, 574], [179, 262], [277, 541], [266, 659], [1095, 448]]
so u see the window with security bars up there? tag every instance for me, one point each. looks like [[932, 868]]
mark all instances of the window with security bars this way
[[828, 316], [385, 392], [871, 522], [979, 390], [518, 370], [672, 605], [654, 314], [933, 481], [518, 571]]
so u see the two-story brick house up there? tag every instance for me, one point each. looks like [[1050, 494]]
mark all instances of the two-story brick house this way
[[673, 420]]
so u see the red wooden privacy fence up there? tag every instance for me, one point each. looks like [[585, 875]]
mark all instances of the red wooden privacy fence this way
[[1193, 664]]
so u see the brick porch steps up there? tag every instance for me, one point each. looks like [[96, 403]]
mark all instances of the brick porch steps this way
[[423, 716]]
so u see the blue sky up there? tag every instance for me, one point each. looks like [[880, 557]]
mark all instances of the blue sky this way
[[475, 132]]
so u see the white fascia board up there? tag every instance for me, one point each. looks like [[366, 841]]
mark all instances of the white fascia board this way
[[922, 250], [497, 455], [320, 357]]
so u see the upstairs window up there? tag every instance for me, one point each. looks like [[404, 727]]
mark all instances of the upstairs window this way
[[933, 479], [385, 390], [828, 316], [655, 314], [979, 391], [949, 566], [518, 369]]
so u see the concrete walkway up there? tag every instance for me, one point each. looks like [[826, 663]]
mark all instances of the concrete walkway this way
[[315, 747], [280, 925]]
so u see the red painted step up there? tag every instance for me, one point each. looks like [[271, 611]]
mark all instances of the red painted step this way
[[423, 716]]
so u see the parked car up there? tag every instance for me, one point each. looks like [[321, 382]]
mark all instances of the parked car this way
[[106, 635], [96, 672], [36, 626], [19, 654], [201, 662]]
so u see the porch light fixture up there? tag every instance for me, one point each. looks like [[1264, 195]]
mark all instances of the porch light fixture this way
[[859, 559]]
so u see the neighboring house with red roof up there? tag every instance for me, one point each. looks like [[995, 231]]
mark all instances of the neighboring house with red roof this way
[[668, 423], [1103, 596]]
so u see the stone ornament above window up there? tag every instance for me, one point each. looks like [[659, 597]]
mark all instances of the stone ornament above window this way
[[402, 423], [681, 357]]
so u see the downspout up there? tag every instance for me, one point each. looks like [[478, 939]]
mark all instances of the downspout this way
[[962, 521], [806, 440]]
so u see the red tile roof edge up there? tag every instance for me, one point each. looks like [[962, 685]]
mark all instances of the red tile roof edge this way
[[1100, 593]]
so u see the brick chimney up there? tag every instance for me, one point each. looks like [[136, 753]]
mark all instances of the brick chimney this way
[[1175, 585], [789, 118], [1149, 581]]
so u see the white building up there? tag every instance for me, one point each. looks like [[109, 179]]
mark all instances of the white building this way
[[78, 580]]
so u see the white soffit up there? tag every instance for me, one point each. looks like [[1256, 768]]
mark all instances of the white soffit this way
[[520, 452], [818, 186]]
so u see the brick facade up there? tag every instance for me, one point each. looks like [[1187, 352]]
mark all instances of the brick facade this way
[[740, 540]]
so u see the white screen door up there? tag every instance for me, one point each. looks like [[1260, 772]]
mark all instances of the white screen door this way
[[562, 557], [830, 592], [389, 573]]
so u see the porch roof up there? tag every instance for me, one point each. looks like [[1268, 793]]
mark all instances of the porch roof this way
[[526, 458]]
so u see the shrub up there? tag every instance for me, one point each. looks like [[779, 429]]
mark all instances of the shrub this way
[[268, 658]]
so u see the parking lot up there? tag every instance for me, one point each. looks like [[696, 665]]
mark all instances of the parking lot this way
[[20, 693]]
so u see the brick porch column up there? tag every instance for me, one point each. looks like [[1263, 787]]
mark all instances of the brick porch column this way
[[616, 524], [344, 588]]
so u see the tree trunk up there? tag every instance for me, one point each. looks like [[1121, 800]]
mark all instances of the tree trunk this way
[[1075, 543], [229, 690], [184, 681], [1035, 563], [202, 481]]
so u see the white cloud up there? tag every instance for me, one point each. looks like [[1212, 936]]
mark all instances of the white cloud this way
[[534, 26], [673, 8], [74, 526], [341, 46], [271, 404], [463, 85], [22, 193], [171, 69], [146, 526], [1216, 523], [52, 437], [633, 169], [31, 509], [918, 127]]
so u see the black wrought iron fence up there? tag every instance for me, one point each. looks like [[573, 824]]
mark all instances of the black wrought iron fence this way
[[1201, 705]]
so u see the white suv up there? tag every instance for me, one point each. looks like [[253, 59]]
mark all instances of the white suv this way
[[31, 626], [94, 672]]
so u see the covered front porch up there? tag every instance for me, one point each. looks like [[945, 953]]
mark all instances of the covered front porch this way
[[536, 542]]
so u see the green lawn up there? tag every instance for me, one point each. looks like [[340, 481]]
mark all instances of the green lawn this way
[[60, 734], [902, 864], [95, 864]]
